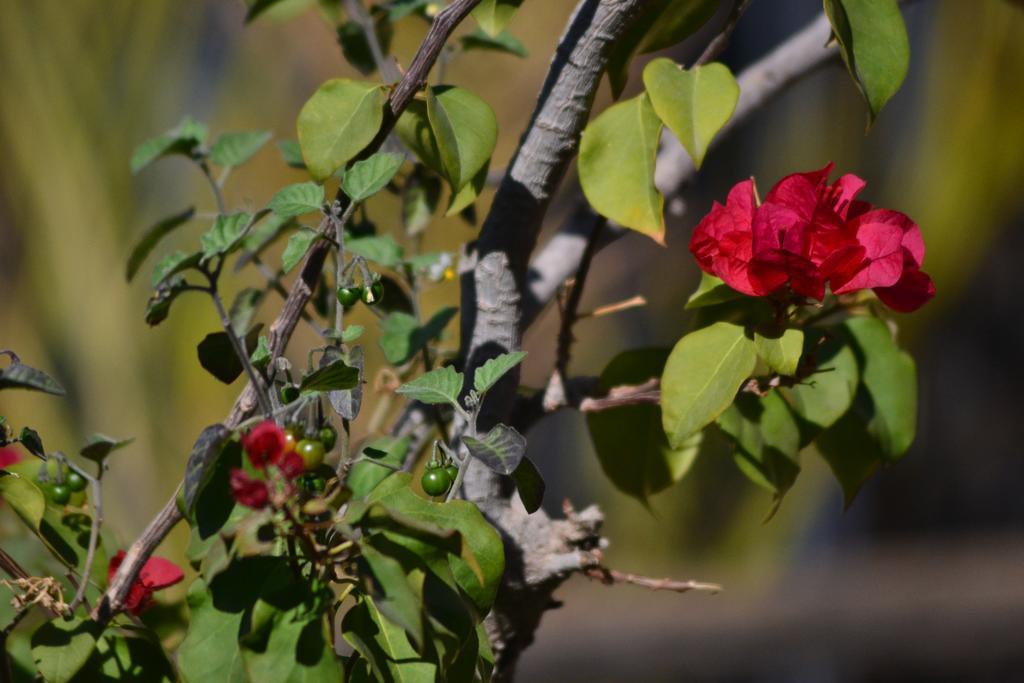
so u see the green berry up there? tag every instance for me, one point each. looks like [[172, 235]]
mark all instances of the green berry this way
[[75, 481], [373, 293], [289, 392], [328, 437], [311, 482], [453, 471], [312, 452], [348, 296], [60, 494], [435, 482]]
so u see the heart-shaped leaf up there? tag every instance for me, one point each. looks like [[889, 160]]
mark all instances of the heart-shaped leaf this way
[[694, 103], [295, 200], [234, 149], [442, 385], [488, 374]]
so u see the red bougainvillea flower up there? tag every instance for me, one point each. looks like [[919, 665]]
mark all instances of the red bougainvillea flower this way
[[250, 492], [808, 234], [156, 574], [9, 456], [265, 444]]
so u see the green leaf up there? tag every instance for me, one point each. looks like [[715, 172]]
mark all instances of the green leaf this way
[[890, 378], [128, 654], [488, 374], [337, 122], [172, 264], [479, 569], [402, 337], [243, 309], [501, 42], [298, 244], [17, 375], [356, 47], [385, 646], [851, 453], [420, 197], [24, 497], [767, 440], [413, 128], [664, 24], [494, 15], [60, 648], [694, 103], [152, 237], [351, 333], [381, 249], [184, 139], [368, 177], [501, 449], [824, 396], [225, 236], [441, 385], [710, 292], [288, 642], [529, 484], [702, 375], [199, 468], [291, 153], [260, 357], [347, 402], [234, 149], [470, 192], [99, 446], [295, 200], [629, 440], [258, 7], [219, 612], [616, 166], [781, 352], [218, 357], [366, 474], [874, 45], [31, 440], [465, 129], [159, 305], [399, 599], [336, 376]]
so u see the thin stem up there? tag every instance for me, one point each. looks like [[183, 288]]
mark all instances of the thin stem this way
[[721, 41], [254, 377], [218, 195], [94, 531], [339, 271], [357, 13]]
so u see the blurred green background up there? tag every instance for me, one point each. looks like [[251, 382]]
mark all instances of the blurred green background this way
[[925, 574]]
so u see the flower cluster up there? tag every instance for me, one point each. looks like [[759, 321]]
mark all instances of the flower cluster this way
[[267, 446], [156, 574], [808, 234]]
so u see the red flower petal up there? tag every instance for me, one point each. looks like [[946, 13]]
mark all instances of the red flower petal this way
[[159, 573], [291, 464], [264, 443], [9, 456], [914, 289], [247, 491]]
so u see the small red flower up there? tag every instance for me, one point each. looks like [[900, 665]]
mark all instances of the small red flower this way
[[265, 444], [808, 234], [9, 456], [291, 464], [156, 574], [250, 492]]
